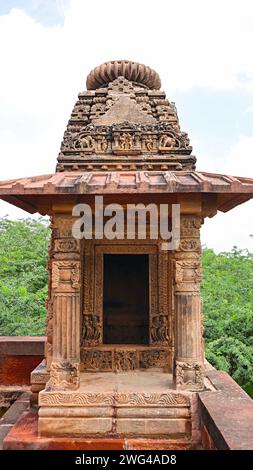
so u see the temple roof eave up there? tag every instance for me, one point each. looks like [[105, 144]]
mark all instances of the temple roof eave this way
[[230, 191]]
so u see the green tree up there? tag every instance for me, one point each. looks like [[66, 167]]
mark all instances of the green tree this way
[[23, 276], [227, 290]]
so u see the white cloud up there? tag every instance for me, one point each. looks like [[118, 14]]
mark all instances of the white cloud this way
[[233, 228]]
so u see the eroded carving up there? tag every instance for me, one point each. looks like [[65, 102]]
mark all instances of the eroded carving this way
[[190, 226], [96, 360], [187, 274], [190, 245], [159, 329], [75, 399], [92, 329], [126, 141], [65, 276], [189, 375], [62, 227], [64, 375], [152, 399], [125, 360], [66, 246], [124, 118], [114, 399], [154, 358]]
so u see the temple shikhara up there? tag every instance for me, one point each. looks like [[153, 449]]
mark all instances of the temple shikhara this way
[[124, 354]]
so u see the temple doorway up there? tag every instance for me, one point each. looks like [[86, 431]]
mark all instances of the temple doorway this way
[[126, 299]]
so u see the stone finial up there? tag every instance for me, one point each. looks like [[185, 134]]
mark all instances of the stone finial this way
[[132, 71]]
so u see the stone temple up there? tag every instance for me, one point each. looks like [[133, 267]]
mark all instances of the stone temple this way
[[124, 354]]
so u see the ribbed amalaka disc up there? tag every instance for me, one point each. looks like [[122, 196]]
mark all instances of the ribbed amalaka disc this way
[[132, 71]]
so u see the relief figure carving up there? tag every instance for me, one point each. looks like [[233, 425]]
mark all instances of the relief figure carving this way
[[159, 329], [91, 329]]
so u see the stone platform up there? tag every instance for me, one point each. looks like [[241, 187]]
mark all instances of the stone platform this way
[[117, 404], [24, 436]]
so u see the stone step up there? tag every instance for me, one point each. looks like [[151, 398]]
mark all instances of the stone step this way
[[24, 436]]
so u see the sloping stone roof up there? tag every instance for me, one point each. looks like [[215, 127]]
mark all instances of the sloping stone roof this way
[[237, 189]]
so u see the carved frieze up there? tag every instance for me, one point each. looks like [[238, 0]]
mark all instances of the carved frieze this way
[[123, 360], [131, 399], [126, 360], [76, 399], [125, 139], [96, 360], [158, 358], [151, 399]]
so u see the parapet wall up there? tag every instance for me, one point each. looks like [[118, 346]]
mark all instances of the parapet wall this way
[[19, 355], [226, 414]]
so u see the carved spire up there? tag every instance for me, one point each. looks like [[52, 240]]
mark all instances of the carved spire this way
[[124, 122]]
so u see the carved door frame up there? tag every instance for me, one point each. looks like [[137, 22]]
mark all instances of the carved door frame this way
[[151, 251], [161, 337]]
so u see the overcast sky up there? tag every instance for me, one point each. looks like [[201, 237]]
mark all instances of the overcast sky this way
[[201, 49]]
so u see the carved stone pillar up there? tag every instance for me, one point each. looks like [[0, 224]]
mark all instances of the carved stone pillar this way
[[65, 302], [189, 370], [49, 306]]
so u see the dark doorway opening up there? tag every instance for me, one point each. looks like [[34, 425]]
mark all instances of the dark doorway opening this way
[[126, 299]]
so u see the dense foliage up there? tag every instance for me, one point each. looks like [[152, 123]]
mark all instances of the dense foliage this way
[[23, 276], [227, 290]]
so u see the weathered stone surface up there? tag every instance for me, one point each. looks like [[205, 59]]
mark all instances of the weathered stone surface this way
[[226, 415], [16, 370], [124, 118], [4, 430], [12, 415], [133, 71], [158, 444], [18, 357], [124, 403], [74, 426], [153, 427], [24, 436], [22, 345], [124, 139]]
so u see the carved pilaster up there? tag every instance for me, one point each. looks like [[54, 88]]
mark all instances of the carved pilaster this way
[[65, 305], [189, 371], [49, 305]]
